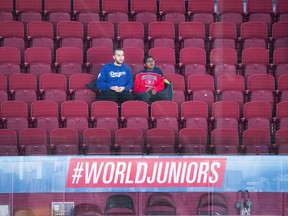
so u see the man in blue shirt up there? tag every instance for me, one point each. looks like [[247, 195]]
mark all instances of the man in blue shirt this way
[[115, 80]]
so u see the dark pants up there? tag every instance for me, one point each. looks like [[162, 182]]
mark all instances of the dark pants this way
[[147, 97], [118, 97]]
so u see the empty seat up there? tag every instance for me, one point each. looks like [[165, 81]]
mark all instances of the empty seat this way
[[87, 209], [70, 34], [223, 35], [282, 10], [86, 12], [3, 88], [231, 11], [192, 60], [161, 34], [282, 87], [225, 141], [105, 115], [64, 141], [256, 141], [192, 34], [8, 143], [53, 87], [23, 87], [75, 114], [254, 61], [14, 115], [10, 61], [281, 141], [40, 34], [144, 12], [280, 34], [97, 141], [38, 60], [164, 58], [160, 141], [134, 59], [101, 34], [261, 87], [28, 11], [223, 61], [78, 87], [257, 115], [201, 88], [119, 204], [173, 11], [12, 35], [115, 11], [164, 114], [231, 87], [6, 10], [179, 89], [202, 11], [33, 141], [130, 34], [56, 11], [44, 114], [280, 61], [69, 60], [282, 115], [192, 141], [129, 141], [194, 114], [97, 57], [260, 11], [226, 114], [135, 114], [254, 34], [160, 204]]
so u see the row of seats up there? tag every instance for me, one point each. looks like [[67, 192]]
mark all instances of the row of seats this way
[[130, 141], [203, 87], [137, 114], [131, 34], [70, 60], [118, 10], [159, 203]]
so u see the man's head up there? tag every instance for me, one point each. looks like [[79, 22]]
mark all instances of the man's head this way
[[149, 63], [118, 56]]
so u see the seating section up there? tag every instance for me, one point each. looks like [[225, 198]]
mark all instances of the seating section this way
[[227, 64]]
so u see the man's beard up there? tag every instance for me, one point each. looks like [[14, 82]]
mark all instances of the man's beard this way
[[118, 63]]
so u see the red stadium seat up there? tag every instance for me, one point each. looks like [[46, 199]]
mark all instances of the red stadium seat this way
[[100, 34], [70, 34], [8, 142], [129, 141], [97, 141], [192, 60], [161, 34], [38, 60], [135, 114], [53, 87], [14, 115], [33, 141], [192, 141]]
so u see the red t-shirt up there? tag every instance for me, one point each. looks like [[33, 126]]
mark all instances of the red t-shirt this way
[[143, 81]]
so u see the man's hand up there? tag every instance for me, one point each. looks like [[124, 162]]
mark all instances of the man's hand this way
[[120, 89], [148, 89], [153, 92], [114, 88]]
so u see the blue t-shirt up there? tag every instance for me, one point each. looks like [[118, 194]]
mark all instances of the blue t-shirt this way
[[155, 70], [113, 75]]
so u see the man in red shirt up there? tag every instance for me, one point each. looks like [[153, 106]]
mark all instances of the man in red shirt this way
[[149, 83]]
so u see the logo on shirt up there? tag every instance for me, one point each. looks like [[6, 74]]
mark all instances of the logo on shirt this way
[[118, 74]]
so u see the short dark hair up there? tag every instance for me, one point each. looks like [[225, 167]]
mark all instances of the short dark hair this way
[[147, 57], [117, 49]]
